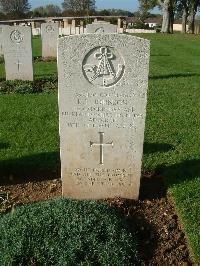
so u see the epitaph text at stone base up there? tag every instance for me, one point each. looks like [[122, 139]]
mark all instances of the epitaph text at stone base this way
[[17, 50], [103, 81]]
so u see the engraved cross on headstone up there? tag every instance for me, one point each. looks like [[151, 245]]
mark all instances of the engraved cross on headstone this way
[[18, 64], [101, 144]]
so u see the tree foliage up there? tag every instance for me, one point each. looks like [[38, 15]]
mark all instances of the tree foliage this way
[[114, 12], [2, 16], [79, 7], [186, 9], [47, 11], [15, 8], [193, 6]]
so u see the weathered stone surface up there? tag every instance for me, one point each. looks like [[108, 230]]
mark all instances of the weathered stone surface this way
[[50, 35], [18, 53], [66, 31], [73, 27], [81, 29], [77, 30], [2, 28], [103, 82], [101, 27]]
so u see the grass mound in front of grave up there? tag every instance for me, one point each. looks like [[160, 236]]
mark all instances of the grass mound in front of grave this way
[[66, 232], [39, 85]]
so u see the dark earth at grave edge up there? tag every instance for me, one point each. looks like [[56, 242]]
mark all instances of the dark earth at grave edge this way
[[153, 217]]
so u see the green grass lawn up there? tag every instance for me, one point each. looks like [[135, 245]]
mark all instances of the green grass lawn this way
[[29, 125], [173, 124]]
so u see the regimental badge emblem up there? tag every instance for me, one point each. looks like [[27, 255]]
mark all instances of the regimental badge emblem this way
[[49, 29], [16, 36], [99, 30], [103, 66]]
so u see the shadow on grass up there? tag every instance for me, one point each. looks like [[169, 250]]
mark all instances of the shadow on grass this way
[[157, 147], [4, 146], [154, 185], [178, 75], [178, 173], [160, 55], [46, 166], [43, 76], [38, 167], [44, 59]]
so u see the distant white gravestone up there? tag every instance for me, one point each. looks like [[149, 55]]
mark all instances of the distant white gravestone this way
[[2, 28], [50, 35], [101, 27], [103, 81], [18, 53]]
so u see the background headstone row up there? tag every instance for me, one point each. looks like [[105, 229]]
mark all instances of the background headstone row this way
[[16, 45]]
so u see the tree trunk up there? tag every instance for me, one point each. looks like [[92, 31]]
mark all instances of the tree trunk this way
[[191, 17], [184, 20], [191, 23], [171, 19], [166, 16]]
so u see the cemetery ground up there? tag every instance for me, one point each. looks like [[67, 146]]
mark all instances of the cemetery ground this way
[[170, 190]]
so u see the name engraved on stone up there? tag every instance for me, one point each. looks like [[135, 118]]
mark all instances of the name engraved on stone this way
[[103, 66], [101, 109], [101, 145], [16, 36]]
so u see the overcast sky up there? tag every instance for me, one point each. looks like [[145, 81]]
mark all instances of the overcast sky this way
[[130, 5]]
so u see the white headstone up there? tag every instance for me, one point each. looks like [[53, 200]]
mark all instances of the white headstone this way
[[18, 53], [101, 27], [81, 29], [66, 31], [36, 31], [103, 81], [2, 28], [77, 30], [100, 21], [50, 35], [73, 27]]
